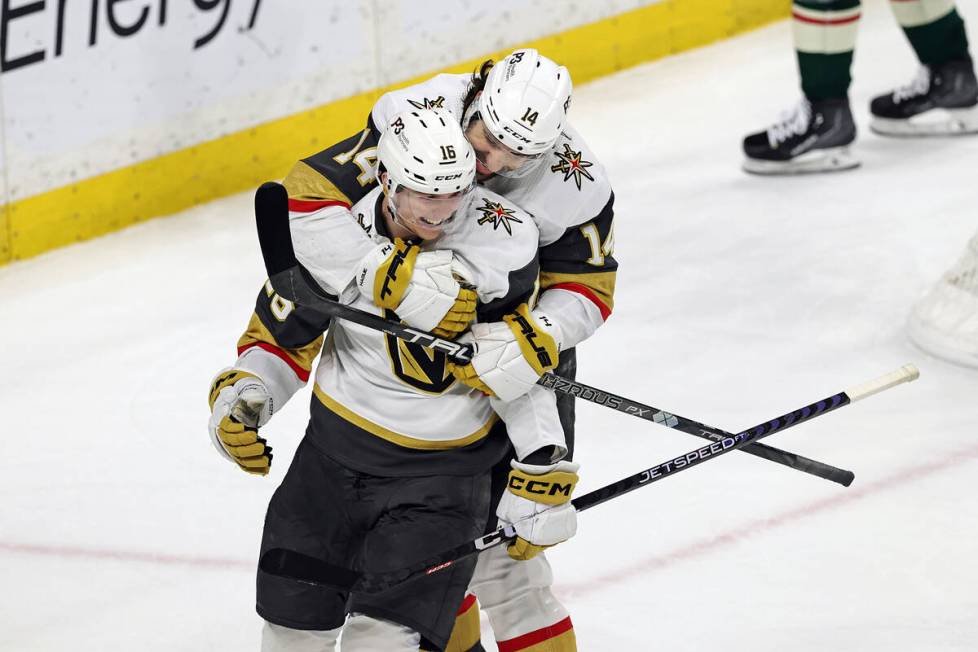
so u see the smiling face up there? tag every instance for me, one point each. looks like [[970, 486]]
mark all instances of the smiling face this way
[[425, 215], [491, 156]]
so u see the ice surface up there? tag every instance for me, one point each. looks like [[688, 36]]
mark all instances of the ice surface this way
[[739, 298]]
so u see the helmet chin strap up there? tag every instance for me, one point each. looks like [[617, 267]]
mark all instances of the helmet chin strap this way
[[390, 188]]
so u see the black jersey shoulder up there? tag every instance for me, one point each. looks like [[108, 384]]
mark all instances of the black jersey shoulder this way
[[342, 172]]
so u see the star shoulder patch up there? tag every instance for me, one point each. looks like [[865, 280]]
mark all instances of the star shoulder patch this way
[[572, 165], [498, 215]]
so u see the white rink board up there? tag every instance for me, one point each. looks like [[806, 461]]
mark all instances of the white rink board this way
[[81, 95], [739, 298]]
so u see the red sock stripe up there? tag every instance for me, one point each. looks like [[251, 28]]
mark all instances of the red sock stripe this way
[[538, 636], [274, 350], [826, 21], [587, 292], [466, 604], [303, 206]]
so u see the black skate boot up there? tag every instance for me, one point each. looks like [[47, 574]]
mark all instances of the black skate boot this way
[[942, 100], [815, 137]]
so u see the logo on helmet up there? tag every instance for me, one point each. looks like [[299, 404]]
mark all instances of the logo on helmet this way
[[514, 59], [515, 134]]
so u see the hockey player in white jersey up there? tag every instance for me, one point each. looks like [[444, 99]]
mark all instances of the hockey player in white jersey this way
[[515, 116], [395, 465]]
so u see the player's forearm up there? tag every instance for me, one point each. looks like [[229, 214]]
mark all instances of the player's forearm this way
[[574, 316], [532, 422], [281, 343], [280, 379]]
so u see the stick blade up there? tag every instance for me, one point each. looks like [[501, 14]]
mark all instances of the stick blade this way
[[289, 279], [293, 565], [272, 220]]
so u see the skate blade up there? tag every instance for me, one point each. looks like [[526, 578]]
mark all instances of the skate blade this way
[[832, 159], [936, 122]]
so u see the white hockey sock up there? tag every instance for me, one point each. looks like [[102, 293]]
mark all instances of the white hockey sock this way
[[515, 594], [275, 638], [366, 634]]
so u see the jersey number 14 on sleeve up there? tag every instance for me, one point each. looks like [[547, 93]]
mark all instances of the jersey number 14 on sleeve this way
[[598, 250]]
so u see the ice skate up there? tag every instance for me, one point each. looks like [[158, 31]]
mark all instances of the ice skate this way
[[940, 101], [814, 137]]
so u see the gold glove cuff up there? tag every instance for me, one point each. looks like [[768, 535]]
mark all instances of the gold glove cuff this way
[[228, 378], [394, 275], [537, 345], [522, 550], [466, 375]]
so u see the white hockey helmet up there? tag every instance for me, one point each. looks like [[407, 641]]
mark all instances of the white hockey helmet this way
[[430, 167], [524, 103]]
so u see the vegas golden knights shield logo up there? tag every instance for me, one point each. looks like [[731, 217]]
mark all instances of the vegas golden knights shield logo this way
[[420, 367]]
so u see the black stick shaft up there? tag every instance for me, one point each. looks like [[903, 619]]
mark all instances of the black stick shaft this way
[[725, 445], [292, 282], [689, 426]]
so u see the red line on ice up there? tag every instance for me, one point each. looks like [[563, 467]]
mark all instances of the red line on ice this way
[[73, 552], [649, 564], [736, 535]]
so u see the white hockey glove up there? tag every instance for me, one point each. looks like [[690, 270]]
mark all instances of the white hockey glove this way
[[537, 504], [509, 356], [420, 286], [240, 404]]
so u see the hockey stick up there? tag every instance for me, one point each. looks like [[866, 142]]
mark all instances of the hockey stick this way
[[293, 282], [298, 566]]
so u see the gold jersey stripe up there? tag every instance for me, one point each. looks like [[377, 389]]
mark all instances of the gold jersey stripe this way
[[303, 356], [396, 437], [601, 283], [305, 184]]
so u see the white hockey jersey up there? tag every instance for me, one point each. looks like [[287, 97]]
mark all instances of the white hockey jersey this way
[[388, 407]]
